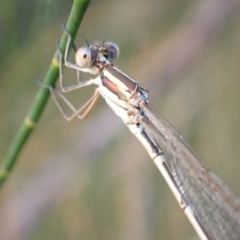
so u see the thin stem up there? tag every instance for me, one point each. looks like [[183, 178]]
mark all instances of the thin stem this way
[[78, 9]]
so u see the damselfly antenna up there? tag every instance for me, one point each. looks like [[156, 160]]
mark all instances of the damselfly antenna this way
[[85, 39]]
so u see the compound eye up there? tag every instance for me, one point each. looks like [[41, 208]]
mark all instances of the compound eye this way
[[84, 57], [112, 51]]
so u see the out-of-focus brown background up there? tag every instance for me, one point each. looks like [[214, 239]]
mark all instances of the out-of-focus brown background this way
[[92, 179]]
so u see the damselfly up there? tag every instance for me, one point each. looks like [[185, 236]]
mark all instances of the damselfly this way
[[211, 206]]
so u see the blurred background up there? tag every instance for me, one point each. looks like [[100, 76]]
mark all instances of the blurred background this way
[[92, 179]]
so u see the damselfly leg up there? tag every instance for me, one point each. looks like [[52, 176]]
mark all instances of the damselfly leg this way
[[81, 112], [84, 58]]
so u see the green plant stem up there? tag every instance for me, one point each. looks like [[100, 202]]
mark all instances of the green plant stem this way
[[78, 9]]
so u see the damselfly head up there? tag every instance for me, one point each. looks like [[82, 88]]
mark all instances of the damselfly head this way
[[86, 55], [110, 51]]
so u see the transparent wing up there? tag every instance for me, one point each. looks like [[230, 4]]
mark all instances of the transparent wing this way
[[214, 205]]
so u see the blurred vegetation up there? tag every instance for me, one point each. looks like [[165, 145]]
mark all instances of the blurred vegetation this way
[[78, 10], [92, 179]]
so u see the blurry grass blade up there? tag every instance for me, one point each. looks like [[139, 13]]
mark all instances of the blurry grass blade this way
[[78, 9]]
